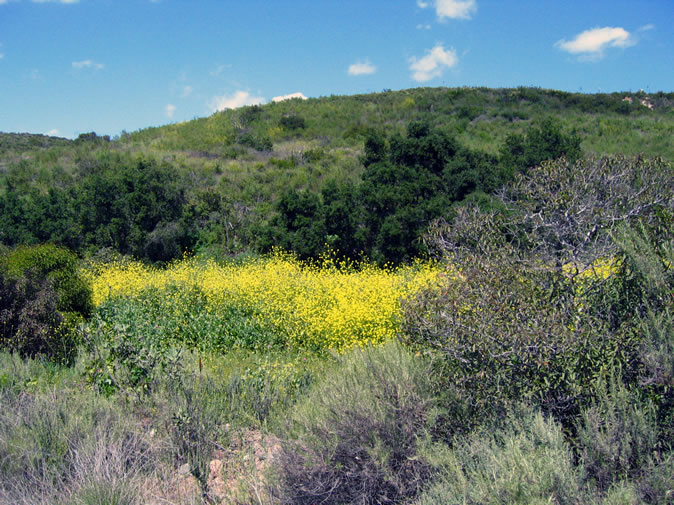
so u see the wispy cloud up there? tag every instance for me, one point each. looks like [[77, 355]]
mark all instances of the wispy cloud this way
[[87, 64], [187, 91], [54, 132], [433, 64], [452, 9], [170, 110], [219, 69], [289, 97], [362, 68], [423, 27], [590, 45], [646, 28], [237, 99]]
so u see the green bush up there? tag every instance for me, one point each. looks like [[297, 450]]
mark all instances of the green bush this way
[[29, 321], [540, 301], [527, 461], [43, 300], [356, 437], [60, 266], [616, 436]]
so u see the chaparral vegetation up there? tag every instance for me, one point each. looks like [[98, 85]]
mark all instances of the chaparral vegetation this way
[[430, 296]]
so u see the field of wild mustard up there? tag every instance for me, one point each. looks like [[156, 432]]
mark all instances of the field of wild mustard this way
[[321, 306]]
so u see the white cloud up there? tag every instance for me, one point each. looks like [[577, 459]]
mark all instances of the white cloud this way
[[454, 9], [54, 133], [646, 28], [87, 64], [590, 44], [170, 109], [187, 91], [55, 1], [289, 97], [433, 64], [219, 70], [238, 99], [362, 68], [423, 27]]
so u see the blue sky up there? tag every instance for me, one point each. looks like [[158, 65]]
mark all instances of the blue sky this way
[[74, 66]]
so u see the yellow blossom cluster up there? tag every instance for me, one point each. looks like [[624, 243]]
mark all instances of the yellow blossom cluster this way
[[326, 305]]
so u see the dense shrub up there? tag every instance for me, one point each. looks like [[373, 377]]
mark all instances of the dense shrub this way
[[29, 320], [537, 303], [357, 437], [292, 122], [43, 299], [58, 265], [538, 144], [526, 461], [617, 435]]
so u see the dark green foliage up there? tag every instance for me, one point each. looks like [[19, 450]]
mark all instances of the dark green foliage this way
[[408, 181], [29, 320], [539, 144], [343, 219], [121, 208], [292, 122], [58, 265], [259, 143], [299, 225], [131, 206], [43, 300], [92, 137]]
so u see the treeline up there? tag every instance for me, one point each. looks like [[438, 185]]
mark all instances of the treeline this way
[[151, 209], [131, 206], [408, 182]]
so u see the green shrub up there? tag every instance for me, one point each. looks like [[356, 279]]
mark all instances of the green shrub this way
[[657, 485], [540, 301], [527, 461], [60, 266], [43, 300], [292, 122], [356, 437], [29, 321], [616, 436]]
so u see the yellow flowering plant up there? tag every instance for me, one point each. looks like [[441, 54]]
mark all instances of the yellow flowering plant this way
[[275, 299]]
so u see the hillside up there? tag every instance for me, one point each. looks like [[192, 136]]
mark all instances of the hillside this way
[[226, 174], [384, 306]]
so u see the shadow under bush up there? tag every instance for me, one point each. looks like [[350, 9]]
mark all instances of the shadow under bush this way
[[356, 437], [43, 300]]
